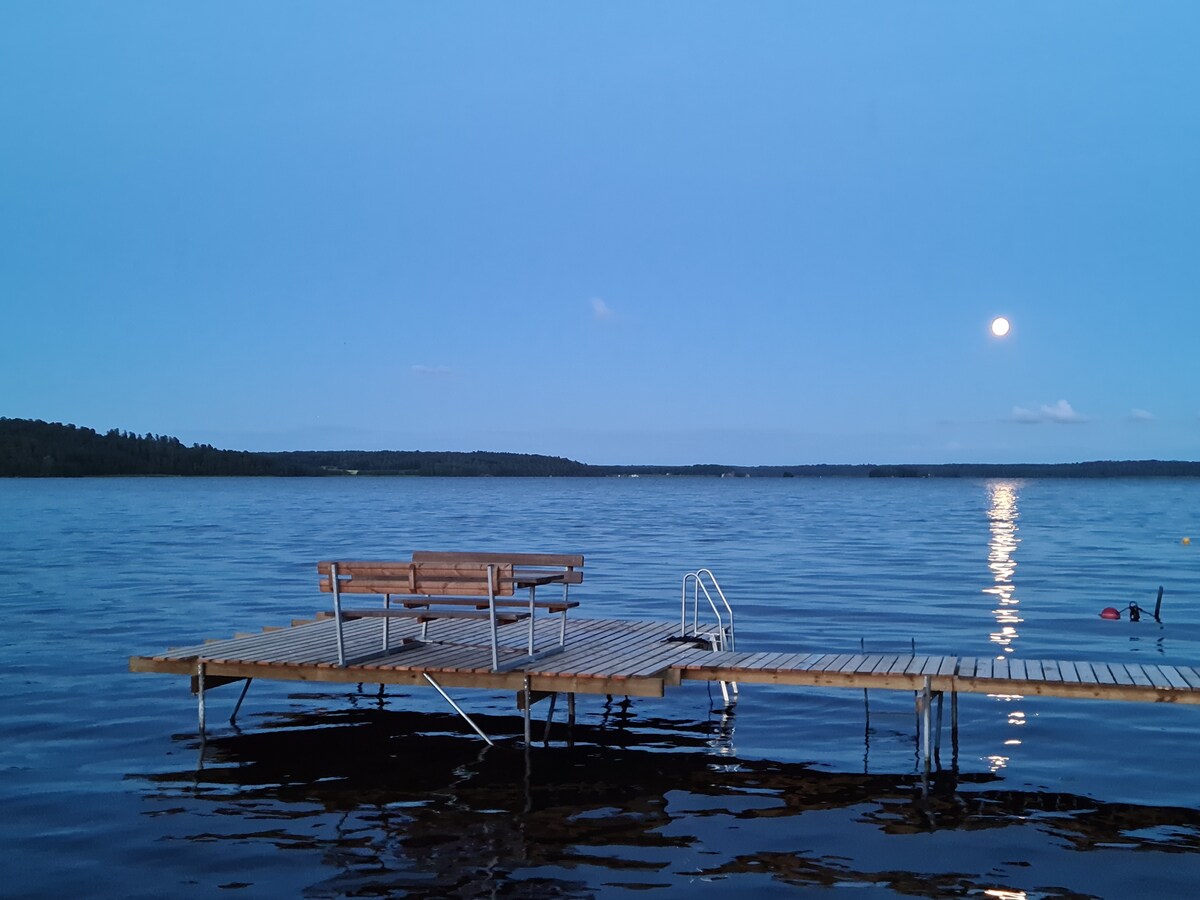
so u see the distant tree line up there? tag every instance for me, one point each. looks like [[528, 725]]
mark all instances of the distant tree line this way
[[33, 448], [1098, 469], [424, 462]]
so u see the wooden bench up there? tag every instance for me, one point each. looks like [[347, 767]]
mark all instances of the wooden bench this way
[[427, 590], [529, 571]]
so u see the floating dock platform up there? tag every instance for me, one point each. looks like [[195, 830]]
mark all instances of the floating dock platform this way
[[636, 658]]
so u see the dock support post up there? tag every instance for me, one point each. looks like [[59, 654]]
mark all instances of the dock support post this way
[[954, 730], [337, 614], [200, 672], [491, 580], [937, 736], [457, 708], [238, 705], [387, 604], [549, 719], [926, 702], [528, 705]]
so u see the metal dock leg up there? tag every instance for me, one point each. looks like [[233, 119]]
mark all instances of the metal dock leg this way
[[238, 705], [549, 719], [200, 667], [926, 698], [937, 737], [528, 705], [457, 708], [337, 614]]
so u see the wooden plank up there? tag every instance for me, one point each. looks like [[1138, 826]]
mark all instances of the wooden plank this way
[[416, 578], [883, 661], [836, 662], [762, 661], [967, 667], [932, 664], [792, 660], [431, 614], [590, 658], [481, 603], [699, 659], [814, 661], [1174, 676], [621, 661], [1016, 669], [1190, 675], [1050, 670], [948, 666], [1137, 675], [1120, 674], [1070, 674], [566, 560], [1156, 676], [852, 663], [653, 665], [623, 664], [870, 662]]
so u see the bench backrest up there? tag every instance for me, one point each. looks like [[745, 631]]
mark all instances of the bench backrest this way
[[571, 563], [419, 578]]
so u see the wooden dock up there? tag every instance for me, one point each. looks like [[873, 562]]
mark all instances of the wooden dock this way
[[636, 658]]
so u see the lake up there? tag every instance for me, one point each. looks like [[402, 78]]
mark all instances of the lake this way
[[347, 791]]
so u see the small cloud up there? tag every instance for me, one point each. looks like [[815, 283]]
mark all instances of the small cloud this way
[[1141, 415], [601, 309], [431, 371], [1060, 413]]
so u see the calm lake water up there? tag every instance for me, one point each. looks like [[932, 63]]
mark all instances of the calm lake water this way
[[335, 791]]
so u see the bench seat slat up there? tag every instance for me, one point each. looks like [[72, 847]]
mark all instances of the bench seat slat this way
[[559, 560], [551, 605], [429, 615]]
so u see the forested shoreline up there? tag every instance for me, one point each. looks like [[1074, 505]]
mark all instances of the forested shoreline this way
[[31, 448]]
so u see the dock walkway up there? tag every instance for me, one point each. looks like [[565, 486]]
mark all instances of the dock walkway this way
[[638, 658]]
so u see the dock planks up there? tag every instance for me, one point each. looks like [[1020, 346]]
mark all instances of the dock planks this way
[[636, 658]]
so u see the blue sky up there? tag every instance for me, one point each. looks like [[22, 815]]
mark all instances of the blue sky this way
[[763, 233]]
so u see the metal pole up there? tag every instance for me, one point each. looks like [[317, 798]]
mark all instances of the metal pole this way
[[925, 705], [532, 644], [387, 604], [937, 740], [245, 688], [200, 671], [954, 729], [683, 608], [549, 719], [457, 708], [337, 613], [491, 570], [528, 704]]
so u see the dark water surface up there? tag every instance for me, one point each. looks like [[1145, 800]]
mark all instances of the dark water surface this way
[[332, 791]]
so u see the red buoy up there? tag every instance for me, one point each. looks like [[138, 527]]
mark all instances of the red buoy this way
[[1110, 612]]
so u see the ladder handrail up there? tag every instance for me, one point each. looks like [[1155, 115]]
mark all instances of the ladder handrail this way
[[698, 585]]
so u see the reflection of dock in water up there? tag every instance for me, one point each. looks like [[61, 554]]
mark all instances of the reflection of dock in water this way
[[443, 815]]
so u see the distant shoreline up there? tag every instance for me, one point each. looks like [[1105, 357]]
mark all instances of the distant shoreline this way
[[31, 448]]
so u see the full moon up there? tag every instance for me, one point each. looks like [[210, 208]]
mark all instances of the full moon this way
[[1000, 326]]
